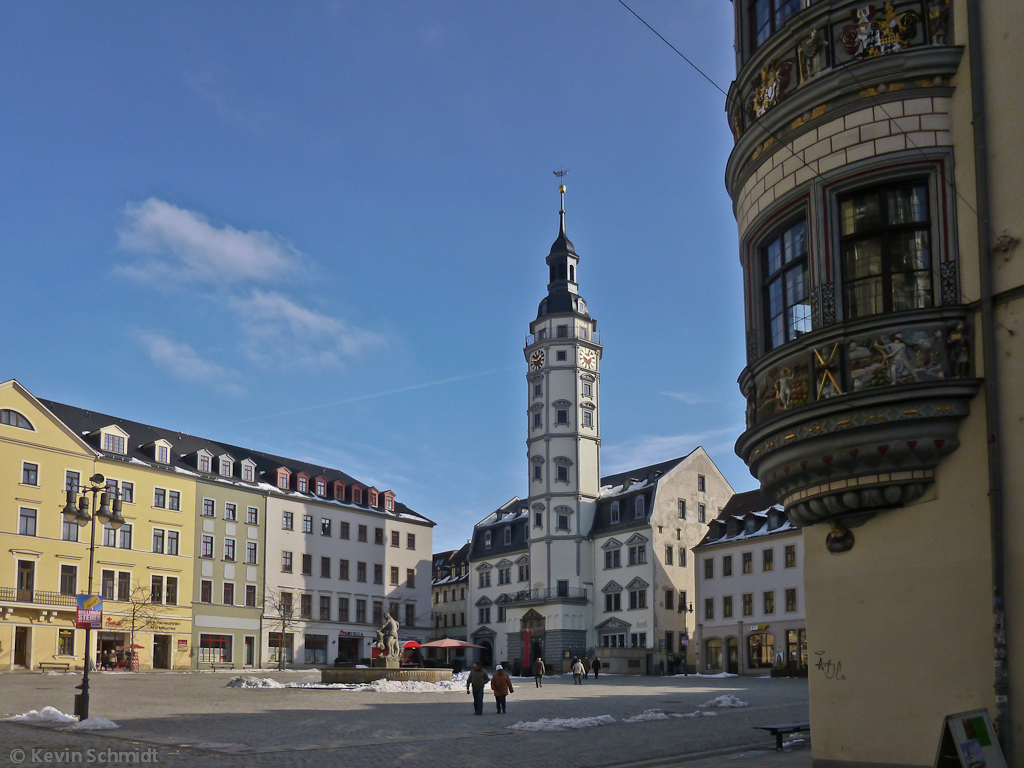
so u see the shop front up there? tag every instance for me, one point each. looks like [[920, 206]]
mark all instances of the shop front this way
[[350, 646]]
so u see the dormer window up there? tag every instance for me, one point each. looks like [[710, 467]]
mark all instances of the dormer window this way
[[114, 440], [487, 539], [248, 470], [203, 459], [339, 490], [321, 486], [303, 484], [508, 535], [638, 507], [162, 451], [372, 494], [283, 478], [227, 466], [389, 501], [357, 495], [615, 511]]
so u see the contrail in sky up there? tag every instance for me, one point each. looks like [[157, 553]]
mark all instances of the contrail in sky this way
[[370, 396]]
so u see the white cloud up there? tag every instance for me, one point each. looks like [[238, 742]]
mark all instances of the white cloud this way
[[277, 328], [688, 398], [651, 449], [172, 242], [184, 363]]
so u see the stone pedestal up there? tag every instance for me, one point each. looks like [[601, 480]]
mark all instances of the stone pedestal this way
[[382, 662]]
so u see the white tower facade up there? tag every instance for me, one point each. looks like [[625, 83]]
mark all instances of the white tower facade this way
[[563, 441]]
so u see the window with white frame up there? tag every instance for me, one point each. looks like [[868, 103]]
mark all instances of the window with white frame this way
[[114, 443], [508, 535], [638, 507], [615, 512], [637, 599]]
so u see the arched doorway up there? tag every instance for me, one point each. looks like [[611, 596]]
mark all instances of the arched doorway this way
[[534, 626], [486, 653], [732, 656]]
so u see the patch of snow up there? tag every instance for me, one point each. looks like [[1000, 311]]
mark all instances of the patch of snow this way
[[725, 701], [720, 674], [332, 686], [561, 723], [647, 714], [45, 715], [253, 682], [94, 724], [181, 471], [698, 713]]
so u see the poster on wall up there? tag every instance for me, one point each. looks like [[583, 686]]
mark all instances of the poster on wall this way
[[90, 611], [969, 741]]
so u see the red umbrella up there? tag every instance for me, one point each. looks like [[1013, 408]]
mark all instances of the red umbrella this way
[[411, 644], [448, 643]]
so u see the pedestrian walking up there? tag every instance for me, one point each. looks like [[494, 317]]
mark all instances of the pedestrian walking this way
[[477, 680], [501, 684], [586, 666], [596, 666], [577, 672], [538, 672]]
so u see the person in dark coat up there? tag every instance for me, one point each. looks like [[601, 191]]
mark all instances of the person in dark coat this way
[[477, 680], [596, 666]]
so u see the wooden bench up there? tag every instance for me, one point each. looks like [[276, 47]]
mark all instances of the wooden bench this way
[[215, 665], [781, 729], [64, 665]]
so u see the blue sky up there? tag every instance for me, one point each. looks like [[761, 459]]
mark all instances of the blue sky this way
[[319, 229]]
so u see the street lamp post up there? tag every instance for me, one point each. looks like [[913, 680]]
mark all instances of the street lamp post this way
[[684, 610], [76, 510]]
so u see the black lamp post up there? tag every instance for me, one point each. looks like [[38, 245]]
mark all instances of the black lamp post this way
[[684, 610], [76, 510]]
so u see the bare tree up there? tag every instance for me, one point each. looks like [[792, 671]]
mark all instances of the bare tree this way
[[279, 614], [143, 613]]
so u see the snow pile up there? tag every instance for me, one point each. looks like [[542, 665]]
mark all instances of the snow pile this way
[[720, 674], [698, 713], [647, 714], [726, 700], [94, 724], [47, 715], [562, 723], [253, 682], [327, 686], [457, 683]]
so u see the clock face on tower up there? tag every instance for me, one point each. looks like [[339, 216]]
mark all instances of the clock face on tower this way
[[537, 360], [588, 359]]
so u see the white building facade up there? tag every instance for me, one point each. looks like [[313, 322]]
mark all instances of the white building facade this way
[[586, 564], [750, 591]]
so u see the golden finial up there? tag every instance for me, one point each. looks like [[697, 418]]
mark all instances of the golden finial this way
[[561, 188]]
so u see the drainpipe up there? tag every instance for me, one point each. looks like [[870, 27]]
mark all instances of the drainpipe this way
[[992, 411]]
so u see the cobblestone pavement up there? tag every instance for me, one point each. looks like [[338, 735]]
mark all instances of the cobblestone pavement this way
[[194, 720]]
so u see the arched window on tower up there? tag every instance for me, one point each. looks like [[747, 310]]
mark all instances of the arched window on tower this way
[[572, 274]]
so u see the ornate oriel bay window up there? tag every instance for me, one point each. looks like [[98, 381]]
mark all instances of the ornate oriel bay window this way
[[787, 285]]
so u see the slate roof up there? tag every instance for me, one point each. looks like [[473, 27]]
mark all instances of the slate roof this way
[[446, 566], [612, 490], [184, 448], [513, 513], [767, 519]]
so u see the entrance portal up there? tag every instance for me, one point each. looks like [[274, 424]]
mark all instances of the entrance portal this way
[[536, 625], [21, 646], [733, 656], [161, 651]]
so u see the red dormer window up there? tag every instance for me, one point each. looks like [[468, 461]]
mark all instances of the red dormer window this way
[[389, 501], [357, 494], [372, 496], [225, 468], [303, 483], [204, 463], [339, 490], [321, 486], [283, 478], [247, 473]]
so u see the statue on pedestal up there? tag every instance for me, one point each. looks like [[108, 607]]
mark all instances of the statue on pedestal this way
[[387, 640]]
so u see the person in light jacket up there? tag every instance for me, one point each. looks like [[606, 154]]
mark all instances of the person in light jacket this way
[[501, 684], [538, 672], [577, 672]]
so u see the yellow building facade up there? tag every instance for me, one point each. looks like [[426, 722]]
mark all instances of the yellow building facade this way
[[143, 570]]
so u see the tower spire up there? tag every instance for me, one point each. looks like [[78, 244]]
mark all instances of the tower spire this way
[[560, 173]]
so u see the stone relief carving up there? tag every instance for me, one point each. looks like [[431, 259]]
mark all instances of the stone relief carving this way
[[769, 87], [827, 373], [783, 387], [902, 357], [938, 21], [810, 52], [877, 33]]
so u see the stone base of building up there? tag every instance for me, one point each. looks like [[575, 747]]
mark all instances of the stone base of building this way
[[360, 676]]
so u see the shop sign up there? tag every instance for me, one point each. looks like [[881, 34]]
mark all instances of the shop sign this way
[[758, 627], [90, 611], [346, 633], [182, 644], [684, 641]]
